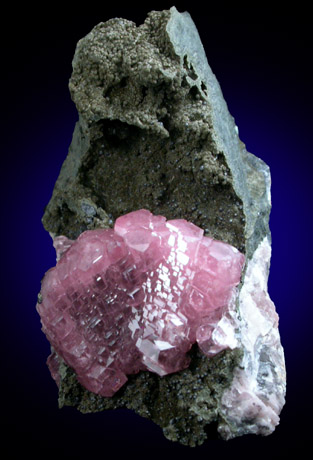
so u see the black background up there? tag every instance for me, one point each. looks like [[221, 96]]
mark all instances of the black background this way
[[262, 59]]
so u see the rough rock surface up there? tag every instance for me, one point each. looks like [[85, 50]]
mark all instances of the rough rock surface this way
[[154, 132]]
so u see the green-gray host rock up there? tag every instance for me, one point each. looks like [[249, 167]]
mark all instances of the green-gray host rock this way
[[154, 132]]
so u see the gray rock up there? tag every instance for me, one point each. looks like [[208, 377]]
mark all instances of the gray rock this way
[[154, 132]]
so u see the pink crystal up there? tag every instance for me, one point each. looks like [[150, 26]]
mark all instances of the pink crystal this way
[[137, 298]]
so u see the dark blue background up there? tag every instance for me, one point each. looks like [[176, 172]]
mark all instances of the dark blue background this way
[[262, 61]]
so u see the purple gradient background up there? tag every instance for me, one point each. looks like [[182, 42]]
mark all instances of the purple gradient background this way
[[262, 62]]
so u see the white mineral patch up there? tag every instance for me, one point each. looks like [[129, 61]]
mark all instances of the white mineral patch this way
[[253, 402]]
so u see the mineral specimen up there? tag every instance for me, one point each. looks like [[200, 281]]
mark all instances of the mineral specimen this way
[[154, 133], [136, 298]]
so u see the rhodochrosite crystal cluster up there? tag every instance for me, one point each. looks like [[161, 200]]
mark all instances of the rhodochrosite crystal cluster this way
[[137, 297]]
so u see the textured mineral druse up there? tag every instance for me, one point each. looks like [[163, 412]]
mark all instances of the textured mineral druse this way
[[154, 133], [136, 298]]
